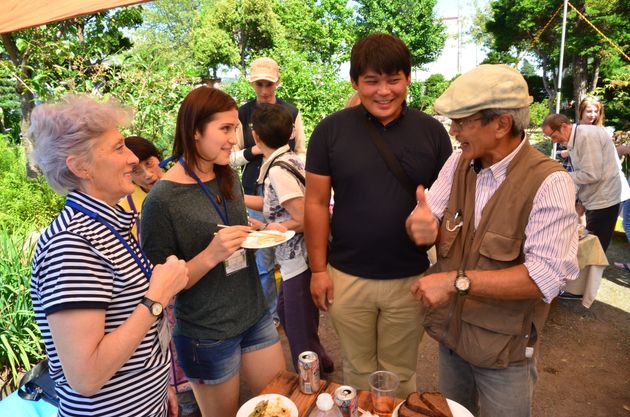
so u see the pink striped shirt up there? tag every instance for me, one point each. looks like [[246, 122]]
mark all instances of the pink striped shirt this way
[[551, 240]]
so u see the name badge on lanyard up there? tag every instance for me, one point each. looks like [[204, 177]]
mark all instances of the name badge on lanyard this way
[[238, 260]]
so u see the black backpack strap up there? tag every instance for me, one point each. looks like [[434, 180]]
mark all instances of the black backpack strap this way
[[297, 174], [390, 159], [282, 164]]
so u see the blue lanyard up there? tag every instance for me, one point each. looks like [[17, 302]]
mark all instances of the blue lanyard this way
[[144, 264], [213, 199], [132, 206]]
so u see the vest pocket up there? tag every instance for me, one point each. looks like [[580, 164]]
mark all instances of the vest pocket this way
[[497, 247], [449, 230], [490, 333]]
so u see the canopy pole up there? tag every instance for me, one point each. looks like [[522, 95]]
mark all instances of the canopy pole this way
[[559, 88]]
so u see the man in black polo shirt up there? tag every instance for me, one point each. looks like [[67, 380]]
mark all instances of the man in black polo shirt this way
[[363, 280], [264, 78]]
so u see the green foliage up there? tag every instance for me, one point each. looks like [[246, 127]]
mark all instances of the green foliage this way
[[538, 110], [24, 201], [615, 93], [20, 338], [512, 25], [9, 107], [323, 29], [70, 56], [148, 80], [251, 25], [413, 21], [424, 94]]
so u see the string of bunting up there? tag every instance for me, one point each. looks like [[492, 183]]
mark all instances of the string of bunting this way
[[544, 28], [610, 41]]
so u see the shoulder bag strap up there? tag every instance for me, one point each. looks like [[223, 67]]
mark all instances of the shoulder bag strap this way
[[390, 160]]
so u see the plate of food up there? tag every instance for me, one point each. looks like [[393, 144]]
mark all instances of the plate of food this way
[[268, 405], [266, 238], [430, 403]]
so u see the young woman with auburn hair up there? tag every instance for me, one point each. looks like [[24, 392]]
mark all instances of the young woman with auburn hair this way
[[222, 328]]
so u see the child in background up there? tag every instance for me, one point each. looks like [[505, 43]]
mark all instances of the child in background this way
[[282, 204]]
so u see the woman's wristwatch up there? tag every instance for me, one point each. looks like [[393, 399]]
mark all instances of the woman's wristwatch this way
[[154, 307]]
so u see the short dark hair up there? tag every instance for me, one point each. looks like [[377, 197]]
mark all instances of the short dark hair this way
[[142, 148], [554, 121], [198, 109], [379, 52], [273, 123]]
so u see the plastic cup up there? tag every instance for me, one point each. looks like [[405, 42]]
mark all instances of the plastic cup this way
[[383, 388]]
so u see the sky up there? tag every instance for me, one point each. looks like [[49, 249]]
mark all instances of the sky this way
[[469, 54]]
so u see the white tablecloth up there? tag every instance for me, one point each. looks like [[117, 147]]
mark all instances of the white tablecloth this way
[[592, 261]]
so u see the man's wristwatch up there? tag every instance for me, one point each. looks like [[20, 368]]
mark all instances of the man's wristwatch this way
[[154, 307], [462, 283]]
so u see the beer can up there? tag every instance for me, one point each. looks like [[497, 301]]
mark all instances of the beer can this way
[[308, 362], [347, 401]]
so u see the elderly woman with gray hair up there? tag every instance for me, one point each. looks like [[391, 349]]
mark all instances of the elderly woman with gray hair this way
[[97, 299]]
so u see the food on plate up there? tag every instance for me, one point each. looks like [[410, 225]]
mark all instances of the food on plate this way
[[271, 408], [425, 404], [259, 410], [265, 238]]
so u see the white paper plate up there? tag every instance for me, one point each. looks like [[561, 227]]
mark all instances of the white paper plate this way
[[259, 240], [457, 409], [247, 408]]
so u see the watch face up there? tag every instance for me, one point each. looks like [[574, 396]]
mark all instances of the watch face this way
[[462, 283], [156, 309]]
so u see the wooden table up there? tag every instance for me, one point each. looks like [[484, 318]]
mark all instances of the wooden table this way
[[287, 384]]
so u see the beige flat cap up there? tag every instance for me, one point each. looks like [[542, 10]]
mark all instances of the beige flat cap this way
[[489, 86]]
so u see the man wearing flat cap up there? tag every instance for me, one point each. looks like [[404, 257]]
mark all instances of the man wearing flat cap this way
[[264, 77], [502, 217]]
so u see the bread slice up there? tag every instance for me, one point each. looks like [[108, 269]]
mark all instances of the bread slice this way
[[437, 403], [415, 403], [405, 411]]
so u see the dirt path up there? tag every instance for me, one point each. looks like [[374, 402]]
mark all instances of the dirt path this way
[[584, 368]]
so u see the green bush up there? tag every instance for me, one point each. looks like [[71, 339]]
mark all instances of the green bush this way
[[24, 201], [537, 112], [20, 339]]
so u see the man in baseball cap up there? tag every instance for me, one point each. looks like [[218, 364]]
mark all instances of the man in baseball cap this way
[[264, 78], [502, 217]]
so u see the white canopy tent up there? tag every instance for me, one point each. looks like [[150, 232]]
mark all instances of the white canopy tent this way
[[21, 14]]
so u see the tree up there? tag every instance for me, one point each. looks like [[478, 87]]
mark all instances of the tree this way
[[413, 21], [252, 26], [69, 56], [324, 29], [50, 60], [512, 25]]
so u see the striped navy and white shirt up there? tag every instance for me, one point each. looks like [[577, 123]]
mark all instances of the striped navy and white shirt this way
[[80, 264], [550, 246]]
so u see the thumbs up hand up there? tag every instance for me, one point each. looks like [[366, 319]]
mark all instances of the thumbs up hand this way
[[422, 227]]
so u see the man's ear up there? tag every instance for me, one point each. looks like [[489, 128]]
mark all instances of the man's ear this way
[[77, 166], [504, 124]]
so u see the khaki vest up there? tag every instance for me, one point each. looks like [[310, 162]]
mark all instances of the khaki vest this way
[[486, 332]]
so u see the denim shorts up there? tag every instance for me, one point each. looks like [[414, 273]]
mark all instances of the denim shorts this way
[[209, 361]]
